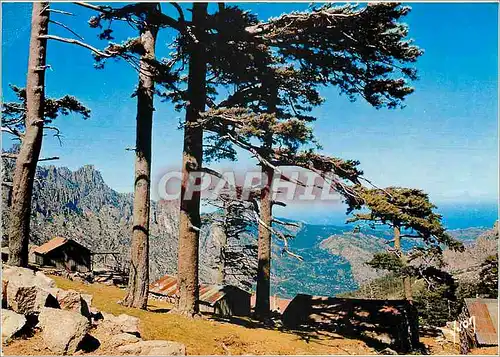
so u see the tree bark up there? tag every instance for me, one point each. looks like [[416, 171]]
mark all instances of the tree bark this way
[[262, 301], [406, 278], [137, 295], [190, 223], [31, 144]]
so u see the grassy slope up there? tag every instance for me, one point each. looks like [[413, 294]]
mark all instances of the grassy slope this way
[[209, 337]]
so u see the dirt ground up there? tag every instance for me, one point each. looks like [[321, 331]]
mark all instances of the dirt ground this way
[[436, 347], [206, 336], [202, 336]]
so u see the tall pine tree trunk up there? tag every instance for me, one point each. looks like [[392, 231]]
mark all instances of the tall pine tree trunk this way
[[406, 278], [190, 223], [31, 143], [137, 295], [262, 301]]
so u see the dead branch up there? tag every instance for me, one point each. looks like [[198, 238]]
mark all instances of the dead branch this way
[[67, 28], [79, 43], [61, 12]]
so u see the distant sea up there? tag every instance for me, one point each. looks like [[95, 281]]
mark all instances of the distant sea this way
[[465, 215], [456, 215]]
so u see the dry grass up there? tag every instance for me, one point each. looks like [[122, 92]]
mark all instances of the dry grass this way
[[204, 336], [448, 348]]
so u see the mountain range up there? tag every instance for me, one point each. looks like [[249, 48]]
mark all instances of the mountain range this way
[[79, 205]]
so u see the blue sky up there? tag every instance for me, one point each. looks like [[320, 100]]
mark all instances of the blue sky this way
[[445, 140]]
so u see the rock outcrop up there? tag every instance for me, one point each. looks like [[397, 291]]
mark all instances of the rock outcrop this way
[[69, 321], [27, 292], [74, 301], [122, 339], [62, 330], [11, 323], [121, 324]]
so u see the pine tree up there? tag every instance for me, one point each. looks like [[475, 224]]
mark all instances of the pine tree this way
[[138, 283], [411, 215], [139, 52], [363, 51], [27, 120], [488, 277], [302, 51]]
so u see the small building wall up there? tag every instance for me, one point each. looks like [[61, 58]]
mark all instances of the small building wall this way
[[70, 256], [238, 301]]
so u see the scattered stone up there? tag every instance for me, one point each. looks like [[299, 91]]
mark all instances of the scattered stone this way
[[62, 330], [381, 337], [27, 292], [74, 301], [44, 280], [154, 348], [122, 339], [122, 323], [11, 323]]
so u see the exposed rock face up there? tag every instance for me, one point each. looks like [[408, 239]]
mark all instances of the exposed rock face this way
[[154, 348], [62, 330], [357, 249], [465, 266], [11, 323], [79, 205], [27, 292]]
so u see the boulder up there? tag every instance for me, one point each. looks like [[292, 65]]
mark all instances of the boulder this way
[[122, 339], [74, 301], [44, 281], [88, 299], [11, 323], [27, 292], [122, 323], [36, 278], [129, 324], [62, 330], [154, 348]]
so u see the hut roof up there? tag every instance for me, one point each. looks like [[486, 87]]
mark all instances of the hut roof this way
[[209, 293], [485, 313], [53, 244]]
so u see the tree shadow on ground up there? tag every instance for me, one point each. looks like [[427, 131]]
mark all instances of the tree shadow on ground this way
[[386, 326], [159, 310]]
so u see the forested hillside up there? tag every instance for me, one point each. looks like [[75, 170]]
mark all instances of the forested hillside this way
[[81, 206]]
